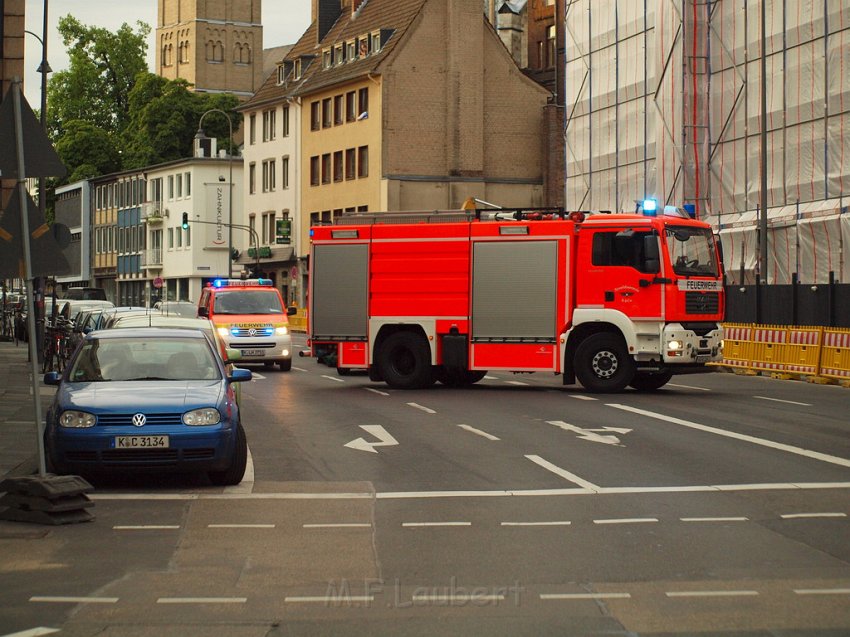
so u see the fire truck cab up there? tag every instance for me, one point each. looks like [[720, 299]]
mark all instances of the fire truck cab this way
[[249, 316], [611, 299]]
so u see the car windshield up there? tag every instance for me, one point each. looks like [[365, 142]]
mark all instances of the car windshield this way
[[692, 251], [117, 359], [248, 302]]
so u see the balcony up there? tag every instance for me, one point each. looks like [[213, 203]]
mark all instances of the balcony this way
[[153, 212], [152, 258]]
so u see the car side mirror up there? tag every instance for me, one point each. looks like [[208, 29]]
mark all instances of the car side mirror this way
[[52, 378], [239, 375], [203, 311]]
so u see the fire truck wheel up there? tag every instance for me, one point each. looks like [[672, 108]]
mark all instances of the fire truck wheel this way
[[404, 361], [602, 363], [646, 381]]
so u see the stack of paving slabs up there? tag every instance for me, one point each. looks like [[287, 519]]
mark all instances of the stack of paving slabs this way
[[46, 499]]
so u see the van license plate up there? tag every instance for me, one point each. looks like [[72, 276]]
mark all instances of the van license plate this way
[[703, 358], [141, 442], [253, 352]]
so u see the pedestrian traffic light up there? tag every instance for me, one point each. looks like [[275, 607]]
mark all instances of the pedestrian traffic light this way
[[185, 224]]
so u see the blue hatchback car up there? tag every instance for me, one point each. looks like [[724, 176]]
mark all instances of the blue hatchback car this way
[[147, 399]]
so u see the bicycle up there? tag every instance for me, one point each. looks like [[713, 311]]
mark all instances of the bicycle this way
[[56, 350]]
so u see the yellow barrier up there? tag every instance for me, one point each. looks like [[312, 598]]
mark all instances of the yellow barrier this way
[[298, 321], [820, 354]]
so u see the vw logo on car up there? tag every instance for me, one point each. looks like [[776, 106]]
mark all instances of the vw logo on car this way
[[139, 420]]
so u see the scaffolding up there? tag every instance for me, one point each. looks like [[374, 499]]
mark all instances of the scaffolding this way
[[663, 100]]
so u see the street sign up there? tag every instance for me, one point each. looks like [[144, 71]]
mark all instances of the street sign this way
[[157, 282], [41, 159], [47, 257], [283, 231]]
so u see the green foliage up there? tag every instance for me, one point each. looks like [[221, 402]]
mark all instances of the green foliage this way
[[87, 150]]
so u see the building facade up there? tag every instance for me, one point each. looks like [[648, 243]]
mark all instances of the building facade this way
[[215, 45], [73, 209]]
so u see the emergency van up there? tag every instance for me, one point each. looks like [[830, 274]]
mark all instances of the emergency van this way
[[249, 316], [610, 299]]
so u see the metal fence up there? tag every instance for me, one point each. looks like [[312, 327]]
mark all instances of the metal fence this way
[[826, 304]]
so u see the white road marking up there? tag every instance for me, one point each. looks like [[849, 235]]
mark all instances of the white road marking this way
[[822, 591], [247, 484], [516, 382], [383, 436], [730, 519], [458, 597], [589, 434], [625, 520], [240, 526], [581, 397], [333, 378], [425, 409], [792, 516], [376, 391], [564, 473], [495, 493], [299, 369], [478, 432], [257, 376], [787, 402], [146, 527], [585, 596], [343, 525], [329, 599], [491, 378], [73, 600], [34, 632], [428, 524], [816, 455], [711, 593], [201, 600], [553, 523], [688, 387]]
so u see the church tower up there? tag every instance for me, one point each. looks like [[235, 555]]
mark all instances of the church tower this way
[[216, 45]]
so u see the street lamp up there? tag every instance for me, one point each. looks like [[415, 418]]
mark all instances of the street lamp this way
[[200, 135]]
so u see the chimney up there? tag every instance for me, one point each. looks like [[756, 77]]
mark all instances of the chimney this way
[[325, 14]]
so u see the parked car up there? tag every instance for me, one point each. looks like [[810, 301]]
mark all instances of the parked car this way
[[87, 294], [147, 399], [177, 308]]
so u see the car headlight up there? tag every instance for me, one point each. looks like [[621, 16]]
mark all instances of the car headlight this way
[[281, 331], [674, 345], [201, 417], [77, 419], [223, 331]]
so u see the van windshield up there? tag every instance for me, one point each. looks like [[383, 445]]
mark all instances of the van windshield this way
[[248, 302]]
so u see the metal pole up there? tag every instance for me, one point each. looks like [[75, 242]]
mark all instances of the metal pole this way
[[762, 263], [25, 239]]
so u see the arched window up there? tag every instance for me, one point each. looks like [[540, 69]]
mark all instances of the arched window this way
[[218, 52]]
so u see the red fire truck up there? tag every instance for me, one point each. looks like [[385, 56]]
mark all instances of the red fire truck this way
[[611, 299]]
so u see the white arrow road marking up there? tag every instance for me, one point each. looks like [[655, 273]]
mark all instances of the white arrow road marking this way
[[383, 436], [588, 434]]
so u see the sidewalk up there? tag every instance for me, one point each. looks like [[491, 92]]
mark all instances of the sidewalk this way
[[18, 447]]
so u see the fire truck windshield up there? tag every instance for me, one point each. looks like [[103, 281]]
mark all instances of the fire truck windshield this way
[[692, 251], [242, 301]]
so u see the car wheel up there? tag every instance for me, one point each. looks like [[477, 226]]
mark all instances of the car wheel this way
[[269, 364], [235, 472], [603, 365], [650, 381], [286, 365], [405, 362]]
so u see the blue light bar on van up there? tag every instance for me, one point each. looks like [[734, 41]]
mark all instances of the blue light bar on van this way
[[650, 207], [241, 283]]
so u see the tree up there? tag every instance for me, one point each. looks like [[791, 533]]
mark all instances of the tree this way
[[102, 72], [87, 150]]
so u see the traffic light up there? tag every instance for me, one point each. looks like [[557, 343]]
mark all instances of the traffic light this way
[[185, 224]]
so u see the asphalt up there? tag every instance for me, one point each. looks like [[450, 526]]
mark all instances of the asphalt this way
[[18, 438]]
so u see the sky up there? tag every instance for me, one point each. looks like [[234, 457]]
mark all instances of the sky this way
[[283, 23]]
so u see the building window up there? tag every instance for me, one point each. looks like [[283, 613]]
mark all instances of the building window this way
[[363, 161], [286, 121], [252, 224], [339, 54], [337, 110], [296, 70], [170, 187], [326, 168], [189, 237], [187, 180], [338, 165], [314, 218], [268, 229], [315, 121], [284, 162], [252, 129], [363, 46], [314, 170], [350, 163], [376, 42], [326, 59], [326, 112], [171, 238], [352, 50], [550, 46], [269, 124], [350, 106], [252, 178], [362, 208], [179, 186], [269, 174], [363, 103]]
